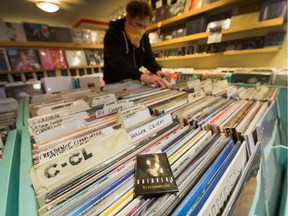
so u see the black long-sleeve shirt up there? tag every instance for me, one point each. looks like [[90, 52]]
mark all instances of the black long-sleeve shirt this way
[[122, 60]]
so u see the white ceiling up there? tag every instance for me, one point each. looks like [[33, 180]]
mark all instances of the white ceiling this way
[[26, 11]]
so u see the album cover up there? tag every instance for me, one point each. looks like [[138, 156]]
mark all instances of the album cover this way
[[153, 175], [60, 34], [158, 3], [81, 36], [177, 8], [4, 64], [52, 58], [23, 59], [179, 32], [22, 91], [37, 32], [274, 39], [162, 13], [12, 32], [76, 58], [191, 49], [253, 43], [177, 52], [94, 57], [271, 9], [196, 25], [251, 78], [97, 36]]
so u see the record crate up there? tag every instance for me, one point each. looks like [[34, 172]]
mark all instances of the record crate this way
[[10, 165], [17, 162]]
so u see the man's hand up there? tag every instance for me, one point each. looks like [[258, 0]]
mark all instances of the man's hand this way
[[165, 75], [153, 79]]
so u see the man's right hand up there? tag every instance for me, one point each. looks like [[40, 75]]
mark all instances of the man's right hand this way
[[153, 79]]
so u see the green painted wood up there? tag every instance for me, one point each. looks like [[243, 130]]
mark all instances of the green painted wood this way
[[27, 201], [9, 175]]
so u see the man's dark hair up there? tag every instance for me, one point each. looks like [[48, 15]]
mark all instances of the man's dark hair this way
[[139, 8]]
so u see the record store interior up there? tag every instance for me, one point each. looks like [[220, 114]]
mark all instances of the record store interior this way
[[143, 107]]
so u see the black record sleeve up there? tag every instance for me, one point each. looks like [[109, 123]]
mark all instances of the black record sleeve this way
[[153, 175]]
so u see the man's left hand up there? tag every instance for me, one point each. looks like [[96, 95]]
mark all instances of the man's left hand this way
[[165, 75]]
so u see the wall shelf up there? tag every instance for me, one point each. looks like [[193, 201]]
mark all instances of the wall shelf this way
[[203, 35], [226, 53], [32, 44], [185, 16], [46, 70]]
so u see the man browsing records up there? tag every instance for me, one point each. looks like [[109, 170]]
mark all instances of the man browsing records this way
[[127, 48]]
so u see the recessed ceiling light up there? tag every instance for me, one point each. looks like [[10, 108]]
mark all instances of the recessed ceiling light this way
[[47, 6]]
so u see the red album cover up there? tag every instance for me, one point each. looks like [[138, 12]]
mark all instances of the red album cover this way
[[52, 58]]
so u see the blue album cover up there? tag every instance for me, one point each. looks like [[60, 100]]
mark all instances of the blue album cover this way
[[200, 187], [100, 196], [197, 207]]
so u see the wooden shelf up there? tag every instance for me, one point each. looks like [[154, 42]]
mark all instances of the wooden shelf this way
[[226, 53], [31, 44], [259, 25], [184, 16], [252, 51], [47, 70], [180, 40], [203, 35]]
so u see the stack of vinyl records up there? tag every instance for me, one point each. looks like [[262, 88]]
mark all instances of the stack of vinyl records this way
[[88, 167], [8, 113]]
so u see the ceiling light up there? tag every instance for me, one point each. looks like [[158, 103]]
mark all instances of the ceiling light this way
[[47, 6]]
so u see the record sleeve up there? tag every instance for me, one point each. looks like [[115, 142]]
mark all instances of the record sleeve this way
[[22, 91], [4, 64], [23, 59], [60, 34], [12, 32], [153, 175], [271, 9], [94, 57], [37, 32], [81, 36], [76, 58], [52, 58]]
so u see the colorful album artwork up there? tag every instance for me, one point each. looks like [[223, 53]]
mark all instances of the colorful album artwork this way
[[23, 59], [52, 58]]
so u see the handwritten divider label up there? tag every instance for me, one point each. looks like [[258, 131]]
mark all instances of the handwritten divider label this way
[[113, 108], [70, 107], [56, 129], [193, 83], [50, 152], [62, 170], [132, 119], [232, 91], [150, 127], [104, 99], [195, 96], [46, 118]]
